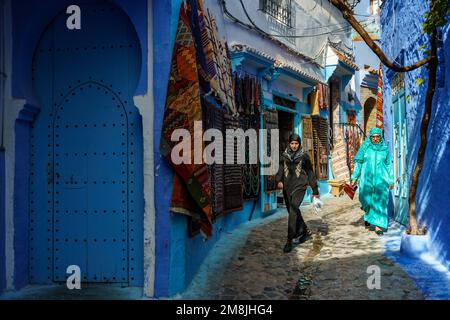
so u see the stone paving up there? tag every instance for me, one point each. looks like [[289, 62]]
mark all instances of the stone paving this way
[[333, 263]]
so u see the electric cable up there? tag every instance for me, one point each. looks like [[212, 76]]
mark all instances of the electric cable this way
[[256, 27]]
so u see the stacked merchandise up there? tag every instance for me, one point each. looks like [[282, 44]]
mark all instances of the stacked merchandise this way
[[213, 117], [232, 172]]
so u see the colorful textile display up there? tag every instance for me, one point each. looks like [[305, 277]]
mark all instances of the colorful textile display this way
[[320, 141], [319, 99], [353, 138], [200, 67], [247, 94], [324, 96], [379, 104], [213, 117], [314, 102], [218, 62]]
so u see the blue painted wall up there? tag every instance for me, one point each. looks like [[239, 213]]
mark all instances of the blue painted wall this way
[[165, 20], [188, 253], [2, 222], [402, 35]]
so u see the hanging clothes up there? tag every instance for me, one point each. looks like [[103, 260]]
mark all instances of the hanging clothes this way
[[200, 68], [248, 103], [324, 96], [314, 102], [379, 123]]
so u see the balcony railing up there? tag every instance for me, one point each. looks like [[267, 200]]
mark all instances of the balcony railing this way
[[281, 10]]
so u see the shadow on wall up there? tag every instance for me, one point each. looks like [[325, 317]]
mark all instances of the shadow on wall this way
[[2, 222], [433, 192]]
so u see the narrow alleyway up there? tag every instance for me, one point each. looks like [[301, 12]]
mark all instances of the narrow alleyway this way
[[331, 265]]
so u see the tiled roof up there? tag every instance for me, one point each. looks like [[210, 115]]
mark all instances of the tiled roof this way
[[370, 80], [342, 57], [280, 64]]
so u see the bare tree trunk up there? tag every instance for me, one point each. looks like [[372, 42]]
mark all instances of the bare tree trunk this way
[[347, 13], [432, 75]]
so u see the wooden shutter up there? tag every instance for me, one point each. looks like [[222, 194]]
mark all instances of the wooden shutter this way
[[320, 137], [308, 138]]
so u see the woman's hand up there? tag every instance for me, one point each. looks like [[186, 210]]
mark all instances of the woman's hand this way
[[355, 182], [391, 186], [280, 185]]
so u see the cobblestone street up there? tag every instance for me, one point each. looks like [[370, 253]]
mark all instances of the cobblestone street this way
[[333, 263]]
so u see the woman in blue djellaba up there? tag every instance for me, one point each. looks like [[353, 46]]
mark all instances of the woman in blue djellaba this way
[[373, 173]]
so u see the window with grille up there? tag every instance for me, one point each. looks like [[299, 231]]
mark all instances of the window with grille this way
[[284, 102], [281, 10]]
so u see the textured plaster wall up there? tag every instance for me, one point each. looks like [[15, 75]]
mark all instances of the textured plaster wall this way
[[401, 31]]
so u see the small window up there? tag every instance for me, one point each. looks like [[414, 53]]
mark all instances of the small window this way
[[278, 9], [283, 102]]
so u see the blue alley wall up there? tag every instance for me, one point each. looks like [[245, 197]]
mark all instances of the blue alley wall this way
[[165, 20], [402, 35], [189, 253], [2, 222]]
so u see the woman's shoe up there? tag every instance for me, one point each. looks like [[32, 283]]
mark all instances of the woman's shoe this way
[[371, 227], [287, 247], [305, 236], [379, 232], [366, 224]]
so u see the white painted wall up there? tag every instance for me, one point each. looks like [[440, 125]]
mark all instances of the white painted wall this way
[[289, 88], [313, 20], [12, 108], [145, 104], [364, 55]]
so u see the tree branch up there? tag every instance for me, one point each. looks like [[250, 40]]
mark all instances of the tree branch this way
[[432, 76], [347, 13]]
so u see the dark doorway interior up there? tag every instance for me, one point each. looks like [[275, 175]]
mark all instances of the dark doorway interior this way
[[286, 127]]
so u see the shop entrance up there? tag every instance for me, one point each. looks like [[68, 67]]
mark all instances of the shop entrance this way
[[286, 127]]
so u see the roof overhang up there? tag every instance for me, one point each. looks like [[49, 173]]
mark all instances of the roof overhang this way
[[271, 68], [338, 64]]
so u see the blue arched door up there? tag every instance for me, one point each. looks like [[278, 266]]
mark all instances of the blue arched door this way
[[86, 195]]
